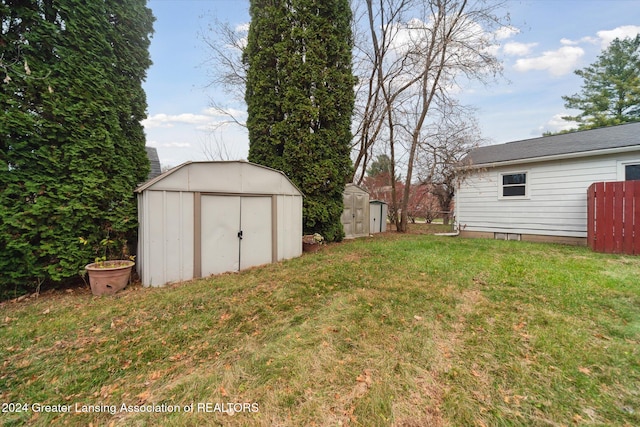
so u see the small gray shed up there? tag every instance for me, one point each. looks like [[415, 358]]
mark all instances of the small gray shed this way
[[203, 218], [378, 211], [355, 217]]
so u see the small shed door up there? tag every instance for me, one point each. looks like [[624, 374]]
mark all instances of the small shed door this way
[[359, 205], [348, 216], [220, 226], [256, 243]]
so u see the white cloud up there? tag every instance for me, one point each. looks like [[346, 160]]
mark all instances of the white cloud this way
[[209, 117], [162, 120], [175, 145], [587, 39], [607, 36], [157, 144], [518, 49], [556, 124], [243, 28], [503, 33], [557, 62]]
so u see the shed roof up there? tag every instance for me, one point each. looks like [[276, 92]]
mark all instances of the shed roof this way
[[587, 142], [354, 188], [222, 176]]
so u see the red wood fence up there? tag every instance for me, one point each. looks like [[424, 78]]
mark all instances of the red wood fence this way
[[613, 217]]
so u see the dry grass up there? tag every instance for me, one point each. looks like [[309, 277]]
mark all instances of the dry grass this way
[[397, 330]]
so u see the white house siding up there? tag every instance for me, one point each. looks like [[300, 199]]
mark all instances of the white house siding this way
[[557, 197]]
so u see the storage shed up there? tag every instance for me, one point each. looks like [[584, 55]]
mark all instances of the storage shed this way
[[203, 218], [355, 217], [378, 211]]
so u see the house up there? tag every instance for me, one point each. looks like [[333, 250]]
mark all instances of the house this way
[[203, 218], [536, 189]]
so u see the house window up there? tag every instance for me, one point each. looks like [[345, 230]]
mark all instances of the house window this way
[[632, 172], [514, 185]]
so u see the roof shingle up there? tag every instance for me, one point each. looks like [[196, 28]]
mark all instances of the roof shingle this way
[[575, 142]]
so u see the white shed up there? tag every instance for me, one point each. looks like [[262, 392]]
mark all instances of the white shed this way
[[536, 189], [203, 218], [355, 217], [378, 212]]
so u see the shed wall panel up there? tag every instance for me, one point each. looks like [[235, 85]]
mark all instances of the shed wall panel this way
[[289, 226], [168, 255]]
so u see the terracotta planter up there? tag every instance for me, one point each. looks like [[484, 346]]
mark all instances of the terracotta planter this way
[[310, 244], [310, 247], [108, 277]]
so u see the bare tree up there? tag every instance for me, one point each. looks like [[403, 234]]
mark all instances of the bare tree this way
[[214, 148], [443, 150], [227, 76], [421, 61]]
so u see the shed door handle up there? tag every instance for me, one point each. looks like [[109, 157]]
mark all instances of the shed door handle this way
[[240, 234]]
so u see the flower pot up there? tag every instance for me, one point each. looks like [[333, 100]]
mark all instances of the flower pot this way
[[310, 247], [311, 242], [108, 277]]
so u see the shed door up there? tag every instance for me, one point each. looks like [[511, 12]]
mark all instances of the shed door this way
[[220, 226], [348, 215], [255, 246], [359, 207], [236, 233]]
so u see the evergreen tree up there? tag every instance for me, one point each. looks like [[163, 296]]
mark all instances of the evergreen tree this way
[[300, 99], [611, 90], [72, 147]]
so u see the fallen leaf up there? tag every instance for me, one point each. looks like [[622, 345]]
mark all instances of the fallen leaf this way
[[475, 373], [584, 370], [418, 318], [47, 311], [155, 375], [519, 326], [223, 392], [144, 395], [602, 337]]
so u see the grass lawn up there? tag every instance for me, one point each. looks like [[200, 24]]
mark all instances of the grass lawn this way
[[396, 330]]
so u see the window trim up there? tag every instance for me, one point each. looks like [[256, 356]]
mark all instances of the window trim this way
[[622, 164], [501, 185]]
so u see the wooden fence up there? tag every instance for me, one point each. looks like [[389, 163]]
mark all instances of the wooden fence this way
[[613, 217]]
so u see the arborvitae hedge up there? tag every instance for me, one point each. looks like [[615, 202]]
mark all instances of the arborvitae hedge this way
[[300, 97], [71, 142]]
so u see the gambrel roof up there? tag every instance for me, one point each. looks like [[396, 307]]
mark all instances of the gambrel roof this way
[[624, 137]]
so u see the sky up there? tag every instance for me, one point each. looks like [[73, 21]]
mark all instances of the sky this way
[[548, 41]]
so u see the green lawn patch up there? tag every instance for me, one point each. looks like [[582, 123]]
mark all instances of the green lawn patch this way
[[395, 330]]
